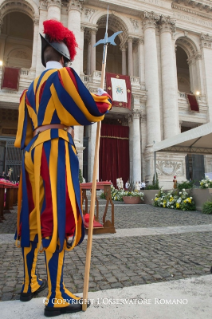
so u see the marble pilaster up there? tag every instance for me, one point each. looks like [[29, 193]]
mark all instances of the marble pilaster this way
[[124, 60], [35, 42], [169, 88], [136, 171], [206, 46], [93, 50], [141, 60], [130, 57], [151, 78], [43, 17], [89, 58]]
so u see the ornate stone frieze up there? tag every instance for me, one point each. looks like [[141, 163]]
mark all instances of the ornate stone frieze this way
[[166, 24], [186, 5], [170, 168], [75, 5], [206, 41], [135, 24], [150, 19]]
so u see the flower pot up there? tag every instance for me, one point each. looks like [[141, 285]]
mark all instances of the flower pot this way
[[132, 200]]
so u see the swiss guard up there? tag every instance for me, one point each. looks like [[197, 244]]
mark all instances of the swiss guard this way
[[49, 200]]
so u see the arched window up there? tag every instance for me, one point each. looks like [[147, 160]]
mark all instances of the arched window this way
[[18, 29], [183, 75]]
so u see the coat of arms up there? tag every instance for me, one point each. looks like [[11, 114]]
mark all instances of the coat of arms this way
[[119, 90]]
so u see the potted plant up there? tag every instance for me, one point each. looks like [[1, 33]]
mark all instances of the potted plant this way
[[133, 197]]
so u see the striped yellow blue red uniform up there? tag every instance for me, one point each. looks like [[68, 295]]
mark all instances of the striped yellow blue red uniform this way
[[49, 200]]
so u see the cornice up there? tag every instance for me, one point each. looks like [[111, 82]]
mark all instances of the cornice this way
[[203, 8]]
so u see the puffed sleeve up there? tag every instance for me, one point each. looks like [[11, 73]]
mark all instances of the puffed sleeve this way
[[74, 103]]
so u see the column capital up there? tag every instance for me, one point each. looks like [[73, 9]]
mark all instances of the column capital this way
[[93, 30], [54, 3], [136, 114], [130, 38], [36, 21], [166, 24], [43, 5], [75, 5], [82, 27], [205, 41], [150, 19], [141, 40], [123, 47], [198, 56]]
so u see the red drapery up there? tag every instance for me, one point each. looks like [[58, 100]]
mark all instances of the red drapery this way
[[11, 78], [114, 153], [192, 100]]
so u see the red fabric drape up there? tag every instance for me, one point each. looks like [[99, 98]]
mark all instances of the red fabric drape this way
[[192, 100], [114, 153], [11, 78]]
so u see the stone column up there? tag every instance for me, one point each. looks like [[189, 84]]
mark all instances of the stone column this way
[[169, 88], [130, 124], [82, 50], [200, 79], [89, 58], [124, 59], [136, 147], [74, 24], [43, 17], [35, 43], [91, 152], [54, 9], [151, 79], [130, 57], [141, 60], [93, 50], [206, 46]]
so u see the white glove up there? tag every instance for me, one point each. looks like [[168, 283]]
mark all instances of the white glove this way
[[100, 92]]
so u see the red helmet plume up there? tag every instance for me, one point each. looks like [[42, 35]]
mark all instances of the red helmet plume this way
[[56, 32]]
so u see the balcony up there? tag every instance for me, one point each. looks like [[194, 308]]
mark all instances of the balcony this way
[[185, 114], [10, 98]]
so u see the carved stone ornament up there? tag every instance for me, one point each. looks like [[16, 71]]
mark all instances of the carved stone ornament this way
[[75, 5], [169, 168], [166, 24], [135, 23], [88, 13], [206, 41], [150, 19]]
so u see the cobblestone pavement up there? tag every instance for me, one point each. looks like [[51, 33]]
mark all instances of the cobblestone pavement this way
[[119, 262], [134, 216], [123, 261]]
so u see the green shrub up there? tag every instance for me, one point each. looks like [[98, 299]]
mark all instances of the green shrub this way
[[185, 185], [102, 196], [207, 207], [154, 186]]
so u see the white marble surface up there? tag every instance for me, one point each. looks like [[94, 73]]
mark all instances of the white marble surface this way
[[179, 299]]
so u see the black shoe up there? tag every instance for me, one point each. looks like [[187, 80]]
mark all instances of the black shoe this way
[[76, 307], [30, 295]]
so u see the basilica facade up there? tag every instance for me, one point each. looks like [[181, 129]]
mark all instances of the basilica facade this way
[[166, 50]]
